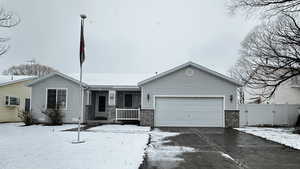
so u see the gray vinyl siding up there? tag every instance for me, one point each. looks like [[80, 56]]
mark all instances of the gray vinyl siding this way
[[73, 95], [178, 83]]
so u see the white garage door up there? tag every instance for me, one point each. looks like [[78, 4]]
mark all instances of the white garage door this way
[[188, 112]]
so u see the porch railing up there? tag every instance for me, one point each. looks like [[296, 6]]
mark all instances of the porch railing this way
[[127, 114]]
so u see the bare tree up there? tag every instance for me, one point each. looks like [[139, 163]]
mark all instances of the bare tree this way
[[271, 50], [29, 69], [240, 72], [268, 8], [237, 72], [7, 20], [272, 55]]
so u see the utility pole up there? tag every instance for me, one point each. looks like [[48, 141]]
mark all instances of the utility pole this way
[[31, 62]]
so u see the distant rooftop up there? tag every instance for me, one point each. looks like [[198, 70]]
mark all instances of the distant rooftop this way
[[112, 79], [13, 78]]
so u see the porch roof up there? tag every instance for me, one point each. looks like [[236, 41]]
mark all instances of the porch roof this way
[[112, 80], [114, 87]]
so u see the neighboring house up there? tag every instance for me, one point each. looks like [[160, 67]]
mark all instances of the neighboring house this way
[[14, 96], [187, 95], [287, 93]]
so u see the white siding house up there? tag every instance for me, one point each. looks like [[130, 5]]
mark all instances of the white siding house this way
[[287, 93], [187, 95]]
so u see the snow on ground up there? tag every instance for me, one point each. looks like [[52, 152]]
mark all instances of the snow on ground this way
[[118, 129], [47, 147], [226, 156], [280, 135], [157, 151]]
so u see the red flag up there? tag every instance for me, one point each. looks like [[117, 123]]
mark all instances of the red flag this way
[[82, 52]]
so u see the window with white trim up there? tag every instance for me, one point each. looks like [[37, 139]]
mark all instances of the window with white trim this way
[[56, 98], [12, 101]]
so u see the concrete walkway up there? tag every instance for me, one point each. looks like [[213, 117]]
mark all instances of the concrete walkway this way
[[247, 151]]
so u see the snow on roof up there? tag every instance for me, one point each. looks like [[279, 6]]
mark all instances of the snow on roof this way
[[15, 78], [112, 79]]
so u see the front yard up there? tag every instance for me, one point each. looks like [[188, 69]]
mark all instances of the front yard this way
[[47, 147], [283, 136]]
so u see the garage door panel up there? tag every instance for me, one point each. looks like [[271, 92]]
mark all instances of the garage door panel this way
[[201, 112]]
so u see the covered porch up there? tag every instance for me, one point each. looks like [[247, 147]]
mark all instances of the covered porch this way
[[107, 105]]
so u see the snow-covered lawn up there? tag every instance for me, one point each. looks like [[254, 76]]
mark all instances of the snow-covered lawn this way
[[279, 135], [47, 147]]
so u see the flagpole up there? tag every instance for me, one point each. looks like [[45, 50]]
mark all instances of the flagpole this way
[[81, 107], [80, 86]]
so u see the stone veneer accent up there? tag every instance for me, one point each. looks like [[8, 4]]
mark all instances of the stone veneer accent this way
[[88, 112], [232, 118], [147, 117], [111, 110]]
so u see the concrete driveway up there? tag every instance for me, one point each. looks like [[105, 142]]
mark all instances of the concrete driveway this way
[[247, 151]]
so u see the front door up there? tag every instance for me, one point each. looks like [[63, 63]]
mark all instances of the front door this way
[[27, 104], [100, 107], [102, 104]]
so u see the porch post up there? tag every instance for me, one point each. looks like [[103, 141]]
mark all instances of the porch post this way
[[139, 114], [116, 114]]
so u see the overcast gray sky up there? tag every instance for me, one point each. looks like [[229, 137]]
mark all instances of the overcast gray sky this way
[[133, 36]]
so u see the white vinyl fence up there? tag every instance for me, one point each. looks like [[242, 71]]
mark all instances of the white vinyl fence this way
[[268, 114]]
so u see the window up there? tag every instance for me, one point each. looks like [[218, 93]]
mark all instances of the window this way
[[7, 100], [13, 101], [56, 98], [27, 104], [128, 100], [51, 99]]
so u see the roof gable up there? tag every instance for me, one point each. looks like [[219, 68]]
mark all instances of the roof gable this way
[[192, 64], [55, 74], [197, 66]]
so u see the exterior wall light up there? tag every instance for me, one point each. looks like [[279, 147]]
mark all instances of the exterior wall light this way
[[231, 98], [148, 97]]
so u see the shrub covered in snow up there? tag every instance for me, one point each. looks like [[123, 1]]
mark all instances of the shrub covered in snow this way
[[26, 117], [55, 116]]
